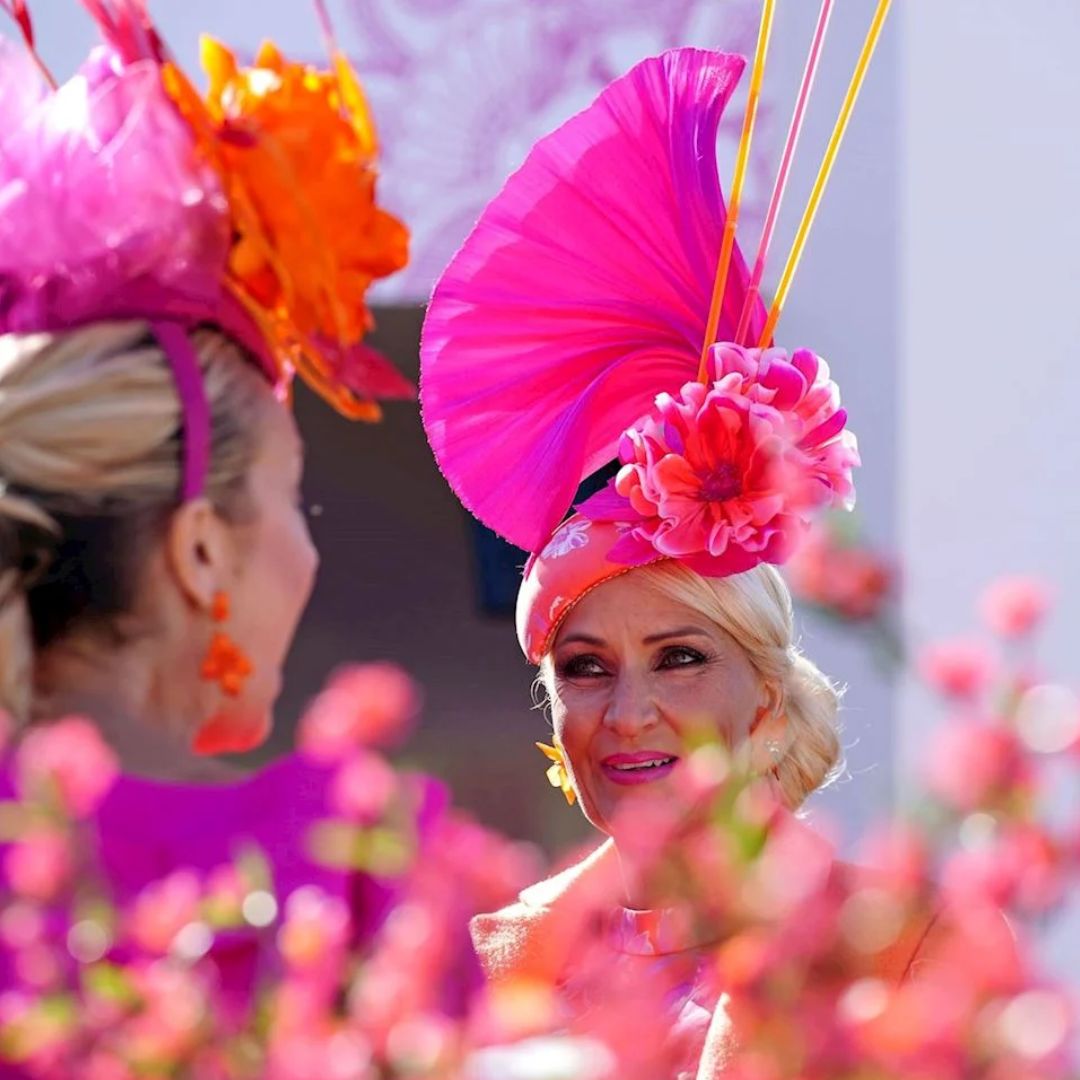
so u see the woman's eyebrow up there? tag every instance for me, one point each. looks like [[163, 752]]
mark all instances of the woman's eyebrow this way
[[678, 632], [581, 639]]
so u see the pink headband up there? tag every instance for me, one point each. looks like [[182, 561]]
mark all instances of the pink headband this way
[[194, 407], [574, 562]]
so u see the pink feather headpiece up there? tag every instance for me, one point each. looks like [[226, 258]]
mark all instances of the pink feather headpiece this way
[[124, 194], [582, 321], [569, 331]]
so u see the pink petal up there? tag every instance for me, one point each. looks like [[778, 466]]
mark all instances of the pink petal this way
[[808, 363], [787, 382], [632, 549], [826, 430], [607, 505]]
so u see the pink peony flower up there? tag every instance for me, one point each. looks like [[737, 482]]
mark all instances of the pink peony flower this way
[[1014, 606], [724, 475], [39, 864], [72, 759], [362, 705], [958, 668]]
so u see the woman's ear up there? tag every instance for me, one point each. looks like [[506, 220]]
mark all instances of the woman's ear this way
[[769, 735], [199, 552]]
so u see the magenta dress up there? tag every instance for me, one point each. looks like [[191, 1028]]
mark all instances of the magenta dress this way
[[149, 828]]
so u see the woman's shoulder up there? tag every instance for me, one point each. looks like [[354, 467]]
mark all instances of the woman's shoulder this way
[[931, 932], [535, 934]]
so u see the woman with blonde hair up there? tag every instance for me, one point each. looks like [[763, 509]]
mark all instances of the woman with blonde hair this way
[[167, 263], [568, 331]]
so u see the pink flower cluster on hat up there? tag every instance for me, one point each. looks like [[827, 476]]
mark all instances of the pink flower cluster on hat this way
[[725, 474]]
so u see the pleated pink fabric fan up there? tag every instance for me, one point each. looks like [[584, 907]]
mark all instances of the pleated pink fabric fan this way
[[582, 293]]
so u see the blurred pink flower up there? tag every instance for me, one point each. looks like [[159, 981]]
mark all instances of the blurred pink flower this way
[[846, 580], [490, 867], [899, 852], [326, 1054], [71, 757], [176, 1009], [21, 924], [1022, 868], [971, 764], [723, 475], [36, 1036], [958, 668], [362, 705], [163, 909], [315, 929], [1014, 606], [363, 787], [106, 1064], [226, 889], [40, 864], [39, 966]]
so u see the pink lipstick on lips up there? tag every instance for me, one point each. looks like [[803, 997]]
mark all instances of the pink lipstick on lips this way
[[642, 767]]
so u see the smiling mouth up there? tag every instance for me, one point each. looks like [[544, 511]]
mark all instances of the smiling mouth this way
[[641, 768], [655, 763]]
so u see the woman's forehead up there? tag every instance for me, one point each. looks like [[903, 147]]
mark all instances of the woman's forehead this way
[[630, 603]]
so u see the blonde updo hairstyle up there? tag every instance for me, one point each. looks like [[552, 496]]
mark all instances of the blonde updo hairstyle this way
[[755, 609], [90, 473]]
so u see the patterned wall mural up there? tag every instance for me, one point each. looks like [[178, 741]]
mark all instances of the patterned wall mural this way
[[462, 88]]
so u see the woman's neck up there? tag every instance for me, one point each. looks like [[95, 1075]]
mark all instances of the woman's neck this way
[[656, 879], [148, 720]]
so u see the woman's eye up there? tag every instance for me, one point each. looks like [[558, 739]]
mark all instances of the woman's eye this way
[[680, 656], [579, 667]]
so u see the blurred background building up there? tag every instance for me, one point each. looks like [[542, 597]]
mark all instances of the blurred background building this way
[[942, 283]]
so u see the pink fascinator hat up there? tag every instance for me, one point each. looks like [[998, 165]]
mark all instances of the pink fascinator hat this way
[[125, 193], [586, 321]]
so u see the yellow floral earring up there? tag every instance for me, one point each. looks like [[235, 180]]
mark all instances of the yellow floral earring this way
[[557, 775]]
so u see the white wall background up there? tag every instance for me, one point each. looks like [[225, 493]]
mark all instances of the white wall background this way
[[989, 454]]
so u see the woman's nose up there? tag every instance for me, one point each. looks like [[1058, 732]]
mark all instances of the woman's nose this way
[[631, 710]]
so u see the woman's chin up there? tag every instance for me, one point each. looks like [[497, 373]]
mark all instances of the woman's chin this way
[[643, 817]]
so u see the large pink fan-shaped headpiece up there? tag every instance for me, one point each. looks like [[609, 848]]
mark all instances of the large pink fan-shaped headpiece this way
[[571, 329], [582, 292]]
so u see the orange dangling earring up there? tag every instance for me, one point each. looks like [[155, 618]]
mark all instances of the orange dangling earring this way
[[225, 662], [557, 775]]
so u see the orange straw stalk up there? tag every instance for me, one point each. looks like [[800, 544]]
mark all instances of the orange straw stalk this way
[[727, 244], [827, 162]]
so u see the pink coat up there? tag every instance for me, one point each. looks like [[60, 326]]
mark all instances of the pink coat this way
[[536, 937]]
